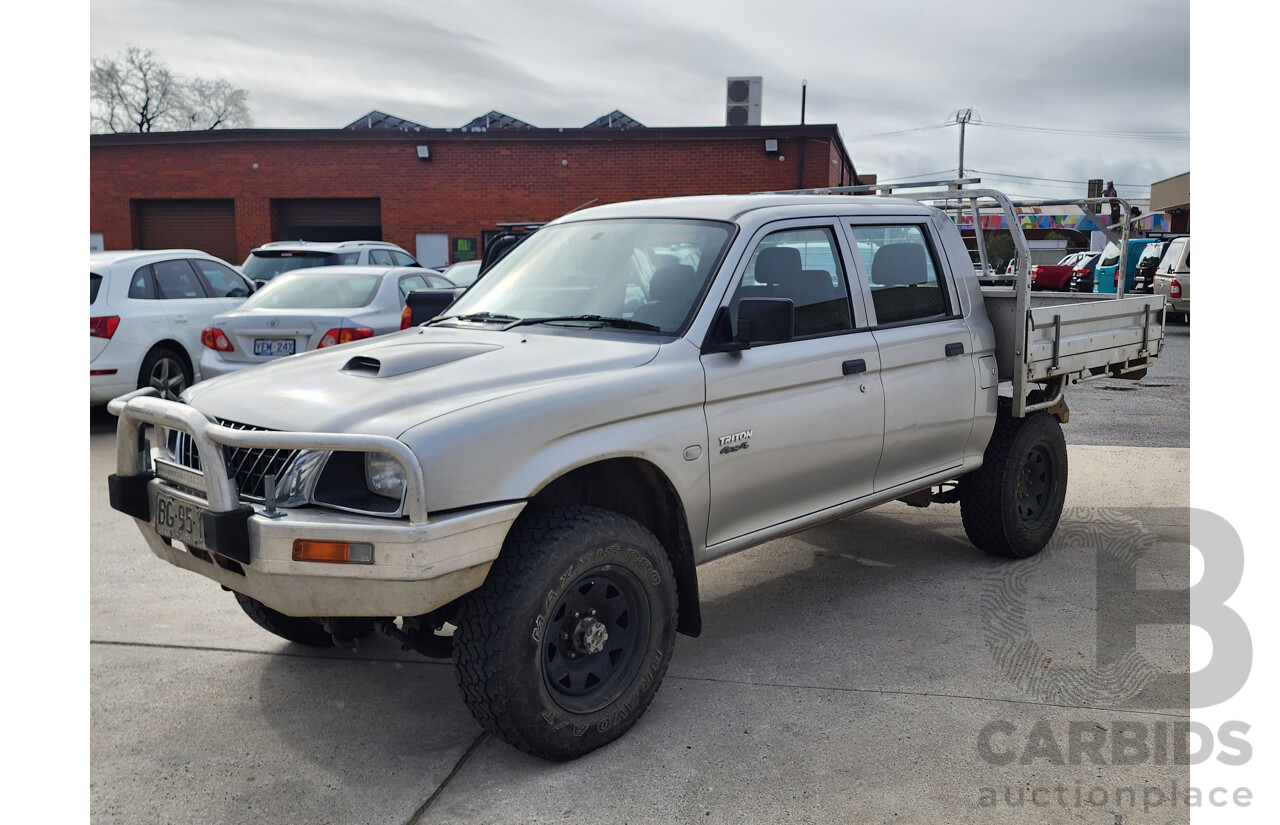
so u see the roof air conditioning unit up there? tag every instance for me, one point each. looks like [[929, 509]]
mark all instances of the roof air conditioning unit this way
[[742, 101]]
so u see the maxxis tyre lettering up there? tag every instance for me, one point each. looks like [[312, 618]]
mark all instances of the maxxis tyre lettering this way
[[516, 632], [301, 630], [1010, 506]]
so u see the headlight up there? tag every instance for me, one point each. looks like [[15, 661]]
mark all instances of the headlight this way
[[293, 489], [384, 475]]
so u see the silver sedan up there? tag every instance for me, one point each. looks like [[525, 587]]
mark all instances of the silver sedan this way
[[311, 309]]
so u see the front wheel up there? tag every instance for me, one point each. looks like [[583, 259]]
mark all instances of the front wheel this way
[[1010, 505], [563, 647]]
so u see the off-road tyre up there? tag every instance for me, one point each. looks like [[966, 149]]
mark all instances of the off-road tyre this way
[[1010, 506], [528, 651], [301, 630]]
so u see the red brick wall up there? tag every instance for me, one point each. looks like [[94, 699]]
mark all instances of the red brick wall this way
[[467, 187]]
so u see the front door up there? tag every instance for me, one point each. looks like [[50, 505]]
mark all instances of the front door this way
[[796, 426]]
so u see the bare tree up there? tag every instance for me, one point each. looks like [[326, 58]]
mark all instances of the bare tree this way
[[212, 104], [136, 92]]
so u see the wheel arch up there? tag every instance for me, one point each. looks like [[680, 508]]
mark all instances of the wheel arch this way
[[637, 489], [175, 346]]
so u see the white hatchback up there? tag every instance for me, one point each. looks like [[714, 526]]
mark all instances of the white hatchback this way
[[146, 312]]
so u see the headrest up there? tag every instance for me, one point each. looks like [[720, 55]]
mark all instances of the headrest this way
[[775, 263], [672, 282], [899, 264]]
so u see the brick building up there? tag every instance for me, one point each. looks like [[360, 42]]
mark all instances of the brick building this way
[[439, 193]]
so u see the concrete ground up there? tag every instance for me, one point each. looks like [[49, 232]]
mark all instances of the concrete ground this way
[[874, 669]]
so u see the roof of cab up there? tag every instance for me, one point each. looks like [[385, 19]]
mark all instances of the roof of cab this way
[[733, 207]]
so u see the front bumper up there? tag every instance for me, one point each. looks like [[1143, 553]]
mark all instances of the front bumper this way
[[419, 562]]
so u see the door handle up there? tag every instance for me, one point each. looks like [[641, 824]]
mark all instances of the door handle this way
[[854, 367], [955, 349], [180, 319]]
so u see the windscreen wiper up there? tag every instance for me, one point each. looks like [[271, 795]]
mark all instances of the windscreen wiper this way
[[594, 321], [483, 317]]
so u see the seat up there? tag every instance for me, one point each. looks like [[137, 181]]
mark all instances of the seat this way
[[672, 289], [900, 288]]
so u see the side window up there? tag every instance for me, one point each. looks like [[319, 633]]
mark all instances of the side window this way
[[409, 284], [346, 259], [176, 279], [903, 278], [381, 257], [803, 265], [141, 284], [220, 281], [402, 258]]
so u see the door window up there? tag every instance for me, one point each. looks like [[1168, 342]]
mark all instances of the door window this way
[[220, 281], [176, 280], [803, 265], [409, 284], [903, 278], [381, 257]]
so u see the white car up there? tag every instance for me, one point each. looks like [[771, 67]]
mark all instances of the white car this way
[[146, 312], [312, 309], [269, 260]]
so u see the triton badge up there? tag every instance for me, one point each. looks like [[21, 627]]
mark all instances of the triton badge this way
[[735, 442]]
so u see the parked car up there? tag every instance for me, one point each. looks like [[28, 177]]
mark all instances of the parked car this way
[[146, 310], [1105, 279], [462, 273], [311, 309], [1144, 278], [1082, 274], [269, 260], [1056, 276], [1173, 277]]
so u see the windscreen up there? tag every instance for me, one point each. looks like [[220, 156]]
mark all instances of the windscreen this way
[[650, 272], [316, 290], [263, 266]]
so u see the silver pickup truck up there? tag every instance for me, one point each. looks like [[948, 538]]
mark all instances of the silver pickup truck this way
[[529, 481]]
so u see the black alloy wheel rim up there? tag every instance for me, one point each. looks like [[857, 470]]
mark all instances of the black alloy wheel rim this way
[[1035, 486], [598, 631]]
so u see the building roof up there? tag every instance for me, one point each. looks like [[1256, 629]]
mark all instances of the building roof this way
[[382, 120], [614, 120], [495, 120]]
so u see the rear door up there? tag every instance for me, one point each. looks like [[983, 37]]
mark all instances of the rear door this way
[[185, 302], [925, 350], [795, 427]]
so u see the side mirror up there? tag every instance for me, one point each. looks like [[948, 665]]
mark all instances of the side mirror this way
[[425, 304], [766, 320]]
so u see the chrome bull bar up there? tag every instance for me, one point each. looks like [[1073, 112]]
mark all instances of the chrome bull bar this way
[[143, 407]]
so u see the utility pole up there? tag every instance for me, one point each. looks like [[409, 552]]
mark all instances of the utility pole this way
[[962, 117]]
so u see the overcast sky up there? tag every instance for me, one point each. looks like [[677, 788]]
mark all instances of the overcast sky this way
[[1082, 70]]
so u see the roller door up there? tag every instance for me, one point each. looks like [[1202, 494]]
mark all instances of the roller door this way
[[207, 225], [328, 219]]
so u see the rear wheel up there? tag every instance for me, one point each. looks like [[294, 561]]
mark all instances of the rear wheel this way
[[165, 371], [563, 647], [1011, 505]]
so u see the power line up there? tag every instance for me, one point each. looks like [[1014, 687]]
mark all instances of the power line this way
[[902, 132], [1090, 132], [1048, 180]]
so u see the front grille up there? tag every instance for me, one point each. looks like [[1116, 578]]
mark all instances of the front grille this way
[[248, 467]]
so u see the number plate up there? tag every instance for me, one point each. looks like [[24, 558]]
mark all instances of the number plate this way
[[178, 519], [273, 346]]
